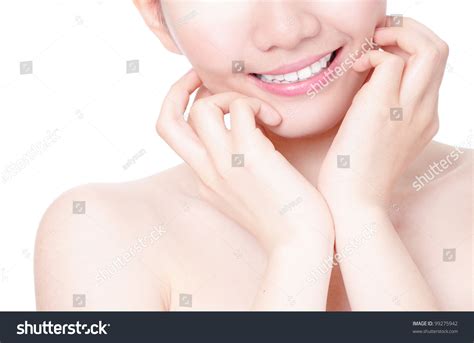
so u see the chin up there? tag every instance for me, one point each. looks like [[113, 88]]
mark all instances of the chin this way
[[314, 117], [301, 127]]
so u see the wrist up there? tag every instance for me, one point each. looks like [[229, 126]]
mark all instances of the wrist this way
[[304, 247], [342, 201], [362, 218], [307, 227], [345, 193]]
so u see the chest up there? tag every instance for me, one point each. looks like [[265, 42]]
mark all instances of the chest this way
[[216, 265]]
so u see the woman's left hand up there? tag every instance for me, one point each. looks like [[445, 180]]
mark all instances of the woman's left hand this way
[[391, 119]]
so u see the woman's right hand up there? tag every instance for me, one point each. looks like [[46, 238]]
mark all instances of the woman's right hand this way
[[241, 173]]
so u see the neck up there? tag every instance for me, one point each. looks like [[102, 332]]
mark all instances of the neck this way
[[306, 154]]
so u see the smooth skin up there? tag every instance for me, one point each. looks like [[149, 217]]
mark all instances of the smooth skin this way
[[254, 237]]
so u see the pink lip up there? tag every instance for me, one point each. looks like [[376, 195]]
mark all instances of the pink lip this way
[[297, 88]]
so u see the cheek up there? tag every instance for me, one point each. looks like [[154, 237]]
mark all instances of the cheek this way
[[359, 18], [212, 58], [215, 37]]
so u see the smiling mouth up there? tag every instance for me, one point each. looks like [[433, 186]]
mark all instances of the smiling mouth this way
[[299, 75]]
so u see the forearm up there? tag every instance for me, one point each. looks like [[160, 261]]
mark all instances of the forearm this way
[[287, 284], [379, 273]]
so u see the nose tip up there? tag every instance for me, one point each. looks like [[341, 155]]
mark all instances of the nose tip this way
[[285, 32]]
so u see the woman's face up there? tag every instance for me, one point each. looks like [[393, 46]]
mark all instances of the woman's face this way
[[293, 54]]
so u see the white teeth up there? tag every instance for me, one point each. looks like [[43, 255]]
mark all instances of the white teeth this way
[[305, 73], [291, 77], [299, 75], [279, 77], [325, 60], [316, 67]]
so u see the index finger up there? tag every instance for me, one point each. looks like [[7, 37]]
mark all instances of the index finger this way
[[387, 73], [173, 128], [177, 99]]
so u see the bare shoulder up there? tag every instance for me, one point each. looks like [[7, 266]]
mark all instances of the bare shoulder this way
[[441, 169], [446, 197], [95, 243], [437, 190], [435, 222]]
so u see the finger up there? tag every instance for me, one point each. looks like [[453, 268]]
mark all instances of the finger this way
[[413, 24], [387, 73], [202, 92], [266, 116], [207, 119], [411, 41], [395, 50], [440, 45], [209, 125], [172, 127], [425, 61], [177, 99], [242, 119], [244, 125]]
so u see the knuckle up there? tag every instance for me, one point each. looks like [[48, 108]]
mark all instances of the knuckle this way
[[239, 102], [173, 88], [205, 189], [227, 174], [159, 127], [443, 48], [432, 128], [435, 125], [176, 85], [432, 54], [199, 107], [208, 186]]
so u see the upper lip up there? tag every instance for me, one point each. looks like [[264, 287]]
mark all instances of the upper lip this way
[[292, 67]]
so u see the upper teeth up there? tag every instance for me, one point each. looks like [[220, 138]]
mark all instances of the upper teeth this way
[[299, 75]]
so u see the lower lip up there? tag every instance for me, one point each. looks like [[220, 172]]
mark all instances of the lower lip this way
[[298, 88]]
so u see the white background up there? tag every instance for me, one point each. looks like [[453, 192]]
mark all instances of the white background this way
[[104, 116]]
